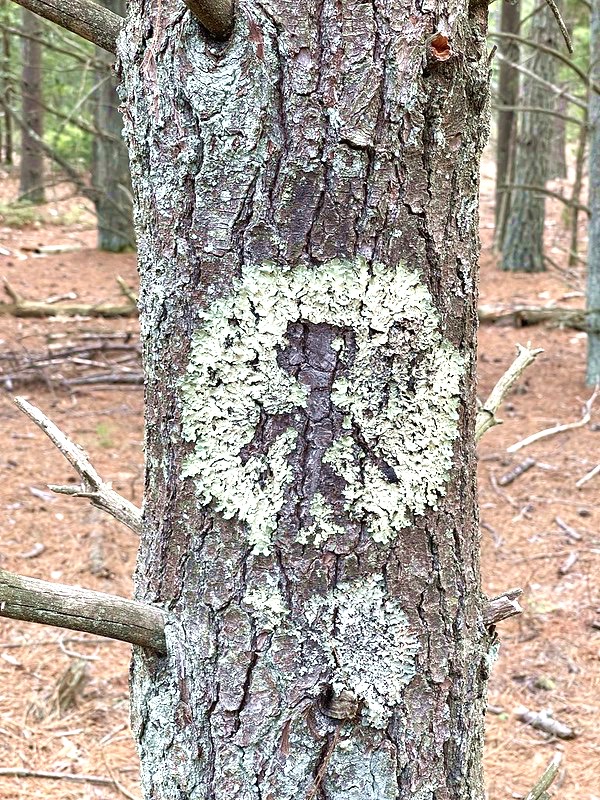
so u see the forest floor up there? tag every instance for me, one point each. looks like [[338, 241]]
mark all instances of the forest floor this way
[[64, 696]]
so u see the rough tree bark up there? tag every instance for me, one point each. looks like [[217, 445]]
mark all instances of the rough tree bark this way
[[508, 93], [110, 165], [593, 259], [523, 245], [31, 184], [306, 201]]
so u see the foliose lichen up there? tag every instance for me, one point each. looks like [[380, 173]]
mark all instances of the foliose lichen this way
[[377, 671], [400, 393]]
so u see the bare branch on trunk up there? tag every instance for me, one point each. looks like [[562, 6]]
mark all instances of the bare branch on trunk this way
[[503, 606], [83, 17], [97, 491], [115, 617], [486, 416]]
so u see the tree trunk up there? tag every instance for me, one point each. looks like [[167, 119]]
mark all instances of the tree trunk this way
[[306, 200], [557, 165], [593, 259], [110, 162], [508, 93], [523, 246], [6, 144], [31, 185]]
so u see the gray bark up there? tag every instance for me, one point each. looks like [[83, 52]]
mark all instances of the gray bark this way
[[593, 260], [110, 165], [31, 184], [306, 205], [6, 139], [523, 245], [508, 93]]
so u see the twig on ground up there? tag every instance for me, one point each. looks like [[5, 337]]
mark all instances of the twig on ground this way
[[542, 721], [20, 307], [568, 426], [568, 563], [571, 532], [588, 476], [486, 415], [516, 471], [18, 772], [97, 491]]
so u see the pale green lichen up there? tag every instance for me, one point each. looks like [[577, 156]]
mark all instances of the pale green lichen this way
[[267, 604], [377, 671], [400, 392]]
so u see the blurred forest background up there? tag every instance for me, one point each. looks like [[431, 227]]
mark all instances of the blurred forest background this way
[[69, 342]]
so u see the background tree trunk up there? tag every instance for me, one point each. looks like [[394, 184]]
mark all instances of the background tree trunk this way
[[306, 199], [593, 259], [6, 143], [110, 161], [508, 93], [523, 246], [31, 184]]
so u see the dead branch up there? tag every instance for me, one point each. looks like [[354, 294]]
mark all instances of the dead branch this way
[[527, 187], [83, 17], [18, 772], [520, 316], [19, 307], [33, 600], [486, 415], [503, 606], [539, 110], [542, 721], [568, 426], [98, 492], [538, 792], [557, 90], [516, 471]]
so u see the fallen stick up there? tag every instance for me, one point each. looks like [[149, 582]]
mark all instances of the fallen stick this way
[[20, 307], [568, 426], [98, 492], [571, 532], [18, 772], [486, 415], [588, 476], [569, 561], [542, 721], [521, 316], [516, 471]]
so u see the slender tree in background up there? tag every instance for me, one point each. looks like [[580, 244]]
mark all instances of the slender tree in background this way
[[110, 161], [507, 97], [308, 317], [523, 244], [593, 259], [31, 185], [6, 90]]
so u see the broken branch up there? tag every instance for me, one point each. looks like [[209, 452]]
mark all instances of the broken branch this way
[[503, 606], [19, 307], [486, 416], [97, 491], [115, 617]]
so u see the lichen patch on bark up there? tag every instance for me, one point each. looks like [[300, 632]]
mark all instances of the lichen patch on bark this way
[[377, 671], [399, 396]]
